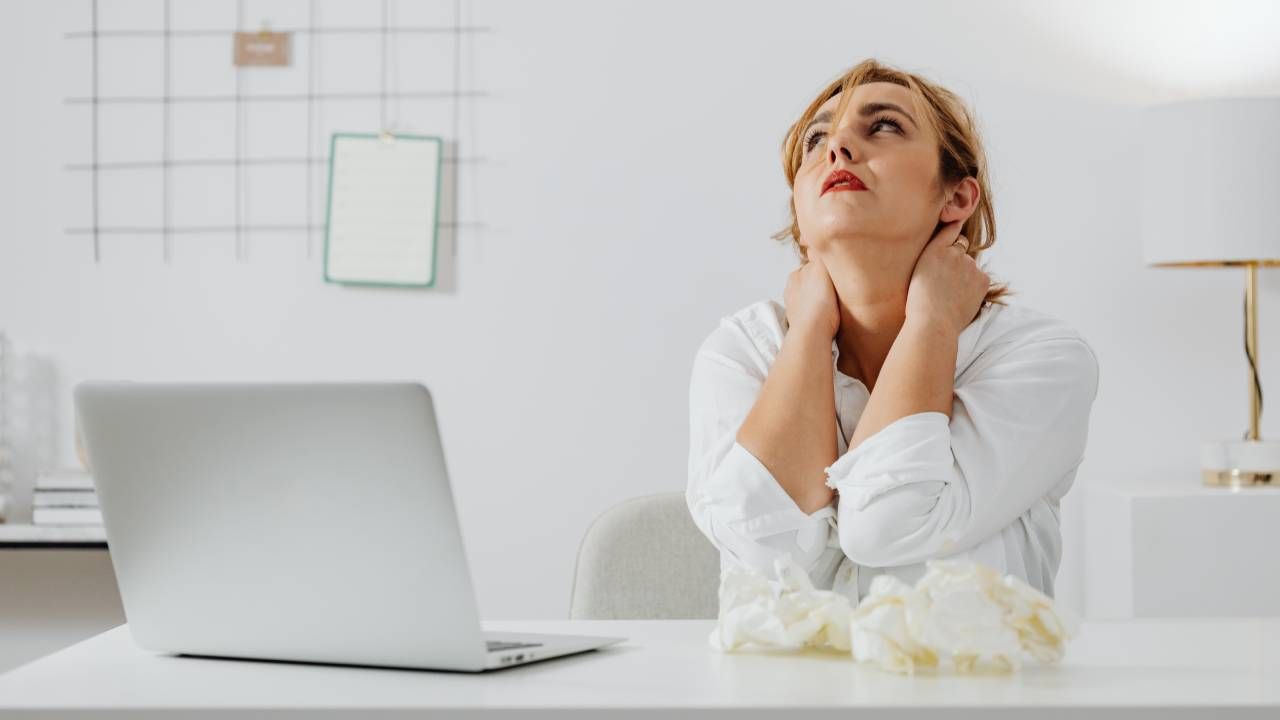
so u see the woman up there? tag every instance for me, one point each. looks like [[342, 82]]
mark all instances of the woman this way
[[896, 409]]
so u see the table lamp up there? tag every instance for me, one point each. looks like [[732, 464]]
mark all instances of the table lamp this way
[[1210, 179]]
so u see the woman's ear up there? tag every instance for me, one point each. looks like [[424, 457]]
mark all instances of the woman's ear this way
[[961, 202]]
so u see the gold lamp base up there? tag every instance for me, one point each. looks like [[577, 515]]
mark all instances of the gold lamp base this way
[[1252, 461], [1236, 478], [1239, 463]]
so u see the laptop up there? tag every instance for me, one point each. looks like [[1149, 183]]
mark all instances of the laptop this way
[[309, 522]]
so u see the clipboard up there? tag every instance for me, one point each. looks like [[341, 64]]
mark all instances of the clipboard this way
[[383, 210]]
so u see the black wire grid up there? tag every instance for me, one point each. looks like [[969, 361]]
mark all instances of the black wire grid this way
[[387, 30]]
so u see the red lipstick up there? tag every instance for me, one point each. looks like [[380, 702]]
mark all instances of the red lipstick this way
[[842, 180]]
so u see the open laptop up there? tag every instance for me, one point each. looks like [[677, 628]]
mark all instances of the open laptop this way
[[290, 521]]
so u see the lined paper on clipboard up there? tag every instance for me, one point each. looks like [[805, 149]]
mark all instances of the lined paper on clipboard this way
[[384, 205]]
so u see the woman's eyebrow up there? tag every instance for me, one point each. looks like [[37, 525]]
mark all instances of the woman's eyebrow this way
[[823, 116], [864, 111]]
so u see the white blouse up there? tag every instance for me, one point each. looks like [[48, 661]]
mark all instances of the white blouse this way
[[984, 485]]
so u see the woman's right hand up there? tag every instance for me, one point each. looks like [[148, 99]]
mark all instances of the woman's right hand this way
[[811, 299]]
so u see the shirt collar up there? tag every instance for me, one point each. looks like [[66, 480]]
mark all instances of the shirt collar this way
[[966, 344]]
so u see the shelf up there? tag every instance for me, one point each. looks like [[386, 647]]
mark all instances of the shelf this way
[[15, 535], [1178, 548]]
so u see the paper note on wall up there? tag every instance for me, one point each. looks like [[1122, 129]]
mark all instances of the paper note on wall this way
[[384, 204]]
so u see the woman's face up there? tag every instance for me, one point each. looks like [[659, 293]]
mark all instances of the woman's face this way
[[889, 150]]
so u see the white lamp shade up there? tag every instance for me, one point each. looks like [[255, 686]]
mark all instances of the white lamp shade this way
[[1210, 181]]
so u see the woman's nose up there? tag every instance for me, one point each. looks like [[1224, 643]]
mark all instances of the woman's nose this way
[[837, 148]]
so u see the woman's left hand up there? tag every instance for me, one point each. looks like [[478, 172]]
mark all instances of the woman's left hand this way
[[946, 285]]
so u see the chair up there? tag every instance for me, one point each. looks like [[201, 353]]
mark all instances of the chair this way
[[644, 559]]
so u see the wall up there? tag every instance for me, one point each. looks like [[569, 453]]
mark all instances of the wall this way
[[630, 182]]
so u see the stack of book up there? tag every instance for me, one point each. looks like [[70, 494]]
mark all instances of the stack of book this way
[[65, 497]]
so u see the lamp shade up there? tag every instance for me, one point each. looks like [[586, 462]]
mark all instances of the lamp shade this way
[[1210, 182]]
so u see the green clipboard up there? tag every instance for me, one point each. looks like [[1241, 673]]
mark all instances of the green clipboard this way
[[383, 211]]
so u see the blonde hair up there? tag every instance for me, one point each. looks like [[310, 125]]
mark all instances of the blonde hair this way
[[960, 149]]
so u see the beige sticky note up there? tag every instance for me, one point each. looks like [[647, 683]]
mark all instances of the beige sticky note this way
[[261, 48]]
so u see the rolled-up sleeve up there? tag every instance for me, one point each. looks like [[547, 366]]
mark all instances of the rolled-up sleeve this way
[[925, 486], [734, 499]]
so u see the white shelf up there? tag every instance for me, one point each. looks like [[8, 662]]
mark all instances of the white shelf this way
[[20, 535], [1180, 549]]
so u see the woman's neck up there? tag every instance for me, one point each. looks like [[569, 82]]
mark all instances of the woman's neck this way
[[872, 295]]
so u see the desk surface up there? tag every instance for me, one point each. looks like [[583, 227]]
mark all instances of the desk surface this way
[[1196, 666]]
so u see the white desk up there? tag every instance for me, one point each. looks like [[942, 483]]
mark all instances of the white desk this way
[[1157, 668]]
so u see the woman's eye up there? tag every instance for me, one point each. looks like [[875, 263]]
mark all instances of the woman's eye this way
[[886, 121], [812, 141], [816, 136]]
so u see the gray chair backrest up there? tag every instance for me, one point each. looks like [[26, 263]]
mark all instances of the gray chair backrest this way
[[644, 559]]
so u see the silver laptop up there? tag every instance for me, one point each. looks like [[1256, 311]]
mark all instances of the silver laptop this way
[[290, 521]]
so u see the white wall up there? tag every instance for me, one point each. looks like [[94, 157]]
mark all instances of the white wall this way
[[630, 185]]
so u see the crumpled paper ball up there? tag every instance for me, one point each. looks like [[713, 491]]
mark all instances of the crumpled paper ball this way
[[788, 613], [960, 610]]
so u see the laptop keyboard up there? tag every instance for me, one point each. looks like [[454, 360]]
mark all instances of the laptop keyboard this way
[[494, 645]]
